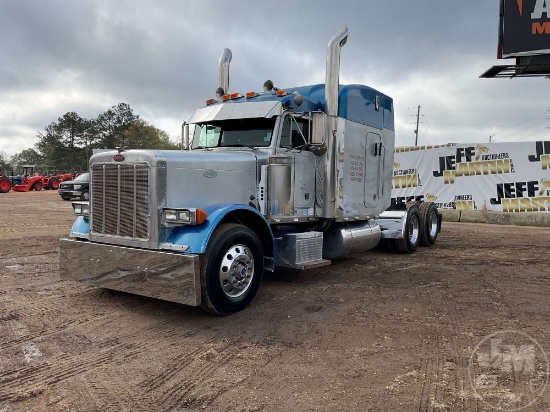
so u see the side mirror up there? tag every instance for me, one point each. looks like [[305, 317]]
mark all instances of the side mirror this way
[[185, 136], [318, 133]]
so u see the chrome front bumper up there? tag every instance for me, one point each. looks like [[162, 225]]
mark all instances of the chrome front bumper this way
[[163, 275]]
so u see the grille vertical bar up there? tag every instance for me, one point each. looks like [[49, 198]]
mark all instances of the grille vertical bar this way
[[120, 200]]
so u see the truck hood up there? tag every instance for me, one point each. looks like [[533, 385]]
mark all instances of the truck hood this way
[[200, 178]]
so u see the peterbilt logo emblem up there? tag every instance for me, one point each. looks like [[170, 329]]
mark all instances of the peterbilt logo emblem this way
[[118, 157], [210, 173]]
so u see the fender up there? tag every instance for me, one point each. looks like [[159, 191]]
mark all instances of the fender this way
[[197, 237], [81, 228]]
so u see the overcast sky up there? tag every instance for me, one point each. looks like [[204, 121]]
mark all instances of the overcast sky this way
[[161, 57]]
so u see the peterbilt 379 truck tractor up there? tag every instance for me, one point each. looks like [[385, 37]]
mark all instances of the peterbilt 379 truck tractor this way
[[287, 178]]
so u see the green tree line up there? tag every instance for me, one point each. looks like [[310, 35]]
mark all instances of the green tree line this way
[[68, 143]]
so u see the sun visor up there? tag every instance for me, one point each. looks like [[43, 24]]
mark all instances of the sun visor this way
[[226, 111]]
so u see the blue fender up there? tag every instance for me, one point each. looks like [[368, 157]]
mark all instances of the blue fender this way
[[81, 228], [197, 237]]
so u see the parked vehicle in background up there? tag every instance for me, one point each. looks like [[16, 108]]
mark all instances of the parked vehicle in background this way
[[35, 182], [79, 187], [28, 171]]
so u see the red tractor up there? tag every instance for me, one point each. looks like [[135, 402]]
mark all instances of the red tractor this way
[[30, 181], [50, 179]]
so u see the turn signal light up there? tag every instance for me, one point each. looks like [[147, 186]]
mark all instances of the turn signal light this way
[[200, 216]]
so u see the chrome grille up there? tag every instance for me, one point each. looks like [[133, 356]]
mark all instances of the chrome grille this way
[[120, 200]]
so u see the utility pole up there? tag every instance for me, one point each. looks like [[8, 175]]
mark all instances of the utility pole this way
[[417, 121], [490, 138]]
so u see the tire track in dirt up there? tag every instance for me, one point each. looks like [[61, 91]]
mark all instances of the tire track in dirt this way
[[35, 377], [446, 368]]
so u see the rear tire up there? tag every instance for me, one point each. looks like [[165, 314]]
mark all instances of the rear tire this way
[[411, 237], [231, 269], [5, 185], [429, 223], [53, 183]]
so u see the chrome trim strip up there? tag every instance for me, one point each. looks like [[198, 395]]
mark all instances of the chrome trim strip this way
[[135, 200], [118, 201], [103, 221]]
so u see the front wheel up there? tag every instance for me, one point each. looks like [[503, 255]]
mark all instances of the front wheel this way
[[37, 186], [231, 269], [85, 195]]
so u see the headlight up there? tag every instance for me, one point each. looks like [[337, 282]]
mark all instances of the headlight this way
[[81, 208], [190, 216], [184, 216], [77, 187], [170, 215]]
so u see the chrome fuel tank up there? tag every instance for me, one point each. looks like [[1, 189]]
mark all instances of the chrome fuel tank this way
[[348, 238]]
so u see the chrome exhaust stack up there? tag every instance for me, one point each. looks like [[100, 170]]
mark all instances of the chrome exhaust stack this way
[[223, 71], [332, 83], [333, 71]]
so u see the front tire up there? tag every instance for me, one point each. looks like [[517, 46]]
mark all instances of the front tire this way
[[37, 186], [231, 269], [85, 195]]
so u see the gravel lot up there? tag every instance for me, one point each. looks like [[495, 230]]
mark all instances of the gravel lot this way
[[373, 332]]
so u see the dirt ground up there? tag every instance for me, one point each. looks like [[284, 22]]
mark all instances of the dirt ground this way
[[373, 332]]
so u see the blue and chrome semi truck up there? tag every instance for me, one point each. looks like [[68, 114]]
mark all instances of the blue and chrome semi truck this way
[[289, 178]]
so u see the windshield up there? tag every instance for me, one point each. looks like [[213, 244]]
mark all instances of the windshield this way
[[84, 177], [234, 133]]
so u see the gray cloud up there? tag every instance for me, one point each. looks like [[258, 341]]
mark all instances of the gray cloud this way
[[161, 58]]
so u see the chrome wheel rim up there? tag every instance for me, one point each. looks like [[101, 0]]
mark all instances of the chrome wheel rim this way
[[236, 270], [433, 224], [413, 229]]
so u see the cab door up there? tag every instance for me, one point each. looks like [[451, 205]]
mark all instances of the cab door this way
[[374, 162]]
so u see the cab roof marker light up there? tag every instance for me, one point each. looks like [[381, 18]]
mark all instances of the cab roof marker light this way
[[225, 97], [234, 95], [250, 95], [280, 93], [210, 101]]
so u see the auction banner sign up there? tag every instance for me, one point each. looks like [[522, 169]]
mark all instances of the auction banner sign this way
[[524, 28], [504, 177]]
